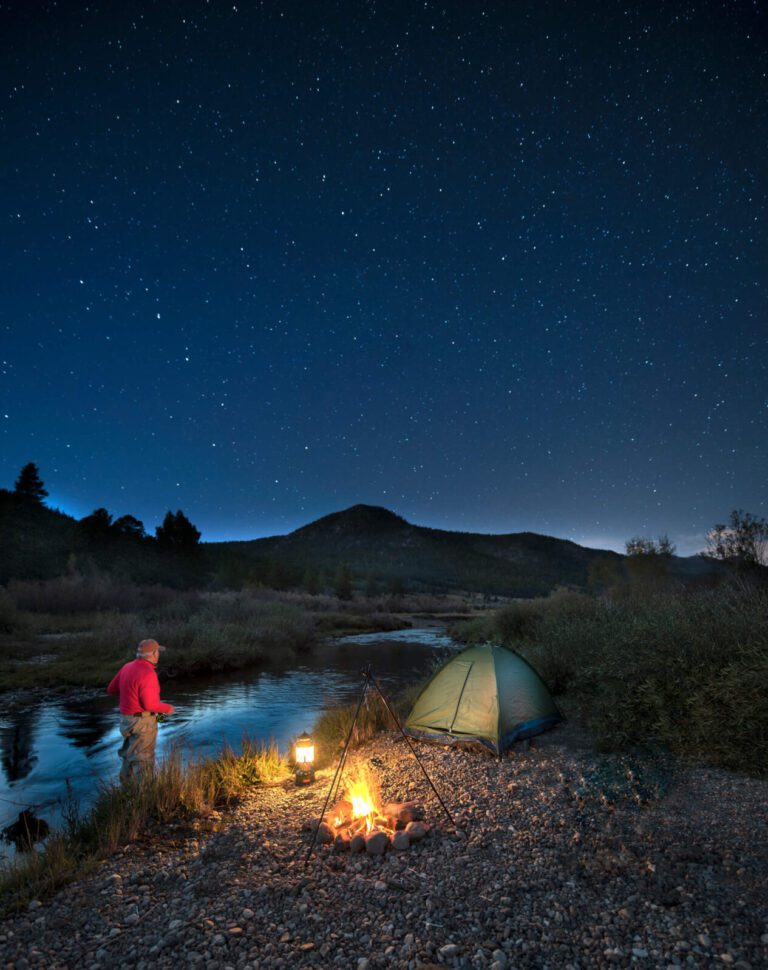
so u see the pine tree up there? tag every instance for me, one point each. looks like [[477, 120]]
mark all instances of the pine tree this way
[[29, 485], [177, 532]]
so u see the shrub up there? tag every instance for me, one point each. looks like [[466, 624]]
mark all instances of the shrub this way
[[683, 671]]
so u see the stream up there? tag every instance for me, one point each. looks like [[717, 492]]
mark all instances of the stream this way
[[69, 744]]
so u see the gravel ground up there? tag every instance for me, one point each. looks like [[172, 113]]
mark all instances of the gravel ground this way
[[555, 863]]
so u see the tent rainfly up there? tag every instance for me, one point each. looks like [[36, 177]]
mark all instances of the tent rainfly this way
[[485, 694]]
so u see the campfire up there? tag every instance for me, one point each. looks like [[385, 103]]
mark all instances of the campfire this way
[[359, 823]]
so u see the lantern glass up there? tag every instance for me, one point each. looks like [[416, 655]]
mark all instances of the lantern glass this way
[[305, 750]]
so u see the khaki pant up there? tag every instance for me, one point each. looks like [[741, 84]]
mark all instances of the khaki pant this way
[[137, 751]]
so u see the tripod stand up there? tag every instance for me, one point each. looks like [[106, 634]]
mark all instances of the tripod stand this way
[[369, 681]]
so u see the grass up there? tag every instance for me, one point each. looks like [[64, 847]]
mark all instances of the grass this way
[[681, 671], [332, 727], [75, 632], [120, 815]]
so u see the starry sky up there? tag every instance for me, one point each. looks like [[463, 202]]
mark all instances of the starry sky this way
[[497, 266]]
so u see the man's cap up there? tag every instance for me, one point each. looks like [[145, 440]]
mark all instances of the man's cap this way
[[149, 646]]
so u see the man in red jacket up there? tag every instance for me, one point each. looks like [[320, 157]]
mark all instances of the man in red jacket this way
[[137, 685]]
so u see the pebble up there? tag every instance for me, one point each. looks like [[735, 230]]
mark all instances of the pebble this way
[[519, 892]]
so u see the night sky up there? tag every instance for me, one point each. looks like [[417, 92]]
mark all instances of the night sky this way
[[496, 266]]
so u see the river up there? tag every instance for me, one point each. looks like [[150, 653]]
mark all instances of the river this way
[[70, 743]]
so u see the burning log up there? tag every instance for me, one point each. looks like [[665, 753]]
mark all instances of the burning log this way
[[358, 823]]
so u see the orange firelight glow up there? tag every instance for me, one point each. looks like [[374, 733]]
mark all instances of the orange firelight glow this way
[[362, 792]]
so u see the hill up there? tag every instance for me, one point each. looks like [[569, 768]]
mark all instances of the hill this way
[[381, 550], [373, 541]]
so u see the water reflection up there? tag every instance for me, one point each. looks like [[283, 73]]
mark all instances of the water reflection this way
[[17, 737], [71, 744], [84, 723]]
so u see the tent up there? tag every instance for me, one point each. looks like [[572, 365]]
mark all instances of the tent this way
[[486, 694]]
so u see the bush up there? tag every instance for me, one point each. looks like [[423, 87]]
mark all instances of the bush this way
[[683, 671]]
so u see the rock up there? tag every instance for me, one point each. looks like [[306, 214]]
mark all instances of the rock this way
[[131, 919], [357, 844], [247, 914], [400, 841], [376, 842], [325, 834], [639, 952], [500, 960], [416, 831], [175, 924], [449, 951], [341, 843], [379, 885], [404, 811]]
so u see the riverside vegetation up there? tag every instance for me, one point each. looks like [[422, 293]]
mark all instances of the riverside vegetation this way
[[176, 792], [73, 630], [684, 671]]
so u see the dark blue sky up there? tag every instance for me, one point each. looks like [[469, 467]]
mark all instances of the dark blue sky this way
[[497, 266]]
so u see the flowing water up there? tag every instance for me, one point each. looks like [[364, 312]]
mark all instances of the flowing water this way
[[70, 744]]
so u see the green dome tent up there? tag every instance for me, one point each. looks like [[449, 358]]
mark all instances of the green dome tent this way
[[486, 694]]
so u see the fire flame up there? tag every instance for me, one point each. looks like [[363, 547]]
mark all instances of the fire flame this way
[[363, 792]]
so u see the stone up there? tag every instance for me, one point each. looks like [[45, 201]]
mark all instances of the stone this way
[[379, 885], [500, 959], [325, 834], [449, 951], [357, 844], [400, 841], [404, 811], [376, 842], [415, 831], [341, 843]]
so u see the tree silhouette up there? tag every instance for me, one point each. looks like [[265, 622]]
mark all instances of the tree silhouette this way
[[129, 525], [177, 533], [29, 486], [744, 539], [98, 524]]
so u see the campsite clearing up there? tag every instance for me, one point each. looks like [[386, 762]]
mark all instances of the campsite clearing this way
[[565, 859]]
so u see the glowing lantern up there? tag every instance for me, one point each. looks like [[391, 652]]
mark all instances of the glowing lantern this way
[[305, 757]]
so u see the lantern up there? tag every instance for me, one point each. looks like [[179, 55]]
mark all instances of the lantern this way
[[305, 757]]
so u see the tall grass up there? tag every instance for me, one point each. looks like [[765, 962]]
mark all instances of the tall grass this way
[[686, 671], [333, 726], [204, 633], [121, 814]]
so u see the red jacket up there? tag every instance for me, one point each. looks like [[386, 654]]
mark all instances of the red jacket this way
[[139, 689]]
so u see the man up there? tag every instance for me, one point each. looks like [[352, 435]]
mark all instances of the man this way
[[137, 685]]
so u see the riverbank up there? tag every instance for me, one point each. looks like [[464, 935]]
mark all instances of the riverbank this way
[[205, 632], [544, 871]]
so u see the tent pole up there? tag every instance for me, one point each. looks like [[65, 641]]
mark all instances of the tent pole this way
[[409, 743], [342, 759]]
